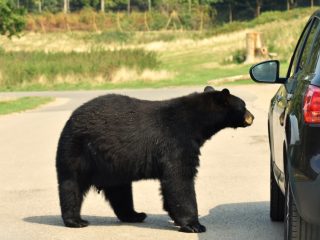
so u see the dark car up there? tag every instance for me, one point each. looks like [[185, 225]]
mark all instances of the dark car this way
[[294, 136]]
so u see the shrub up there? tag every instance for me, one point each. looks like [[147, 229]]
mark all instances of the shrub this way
[[25, 68]]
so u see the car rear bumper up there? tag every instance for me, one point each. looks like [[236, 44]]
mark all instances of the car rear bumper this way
[[307, 198]]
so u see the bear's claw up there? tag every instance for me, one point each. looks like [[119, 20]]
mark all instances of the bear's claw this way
[[193, 228]]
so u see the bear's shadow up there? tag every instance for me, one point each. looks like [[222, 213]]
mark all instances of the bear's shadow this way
[[243, 220]]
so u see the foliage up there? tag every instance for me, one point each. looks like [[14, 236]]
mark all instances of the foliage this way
[[25, 68], [90, 20], [239, 9], [267, 17], [239, 56], [11, 20]]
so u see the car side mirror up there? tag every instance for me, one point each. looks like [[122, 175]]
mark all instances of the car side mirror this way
[[266, 72]]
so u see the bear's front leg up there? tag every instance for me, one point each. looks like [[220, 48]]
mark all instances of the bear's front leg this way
[[180, 202]]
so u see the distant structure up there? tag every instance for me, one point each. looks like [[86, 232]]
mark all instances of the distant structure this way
[[255, 50]]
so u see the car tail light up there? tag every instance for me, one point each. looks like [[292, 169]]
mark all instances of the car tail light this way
[[311, 105]]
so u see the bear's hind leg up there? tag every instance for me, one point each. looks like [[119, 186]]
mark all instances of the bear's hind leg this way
[[120, 198], [71, 197]]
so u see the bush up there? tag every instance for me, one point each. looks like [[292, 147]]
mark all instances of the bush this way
[[11, 20], [23, 68], [239, 56]]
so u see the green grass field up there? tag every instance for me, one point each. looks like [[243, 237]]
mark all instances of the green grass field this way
[[22, 104], [82, 60]]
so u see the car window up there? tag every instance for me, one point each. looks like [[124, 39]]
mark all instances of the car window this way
[[308, 45], [314, 55], [295, 59]]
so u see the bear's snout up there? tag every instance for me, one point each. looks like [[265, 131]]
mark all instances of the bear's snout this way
[[248, 118]]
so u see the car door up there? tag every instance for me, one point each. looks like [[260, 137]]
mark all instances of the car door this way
[[284, 95]]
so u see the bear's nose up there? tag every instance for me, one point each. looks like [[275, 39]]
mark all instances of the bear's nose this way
[[248, 118]]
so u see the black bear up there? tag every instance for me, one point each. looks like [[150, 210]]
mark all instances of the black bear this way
[[113, 140]]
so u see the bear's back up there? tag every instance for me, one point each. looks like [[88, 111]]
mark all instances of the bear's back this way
[[117, 115]]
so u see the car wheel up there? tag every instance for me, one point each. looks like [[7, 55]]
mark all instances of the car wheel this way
[[277, 200], [295, 228]]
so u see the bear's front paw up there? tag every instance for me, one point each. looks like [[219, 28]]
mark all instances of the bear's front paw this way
[[75, 223], [193, 228], [133, 218]]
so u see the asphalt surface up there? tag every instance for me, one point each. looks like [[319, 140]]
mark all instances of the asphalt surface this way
[[232, 185]]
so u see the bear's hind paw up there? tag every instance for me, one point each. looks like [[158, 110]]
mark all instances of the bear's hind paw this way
[[75, 223]]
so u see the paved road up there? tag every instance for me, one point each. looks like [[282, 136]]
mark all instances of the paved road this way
[[232, 185]]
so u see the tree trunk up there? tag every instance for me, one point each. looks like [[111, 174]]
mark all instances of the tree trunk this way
[[288, 5], [102, 6], [65, 6], [201, 21], [293, 3], [189, 6], [311, 3], [39, 6], [129, 7], [230, 13], [149, 5], [258, 7]]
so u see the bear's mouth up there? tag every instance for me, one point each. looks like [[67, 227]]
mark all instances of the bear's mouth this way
[[248, 119]]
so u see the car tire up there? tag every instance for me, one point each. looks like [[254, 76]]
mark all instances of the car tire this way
[[277, 200], [295, 228]]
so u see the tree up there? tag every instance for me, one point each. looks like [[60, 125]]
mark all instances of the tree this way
[[129, 6], [11, 20], [102, 7], [256, 9], [65, 6]]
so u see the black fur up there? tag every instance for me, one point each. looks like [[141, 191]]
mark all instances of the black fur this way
[[113, 140]]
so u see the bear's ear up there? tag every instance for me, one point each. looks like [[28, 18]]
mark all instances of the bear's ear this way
[[224, 95], [225, 92], [208, 89]]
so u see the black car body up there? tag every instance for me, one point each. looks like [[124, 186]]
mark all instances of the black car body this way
[[294, 136]]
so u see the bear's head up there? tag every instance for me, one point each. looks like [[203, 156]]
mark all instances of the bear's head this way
[[232, 108]]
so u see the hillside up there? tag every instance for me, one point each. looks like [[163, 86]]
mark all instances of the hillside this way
[[186, 57]]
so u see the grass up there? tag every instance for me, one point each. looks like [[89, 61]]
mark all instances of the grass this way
[[22, 69], [264, 18], [137, 37], [190, 57], [22, 104]]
